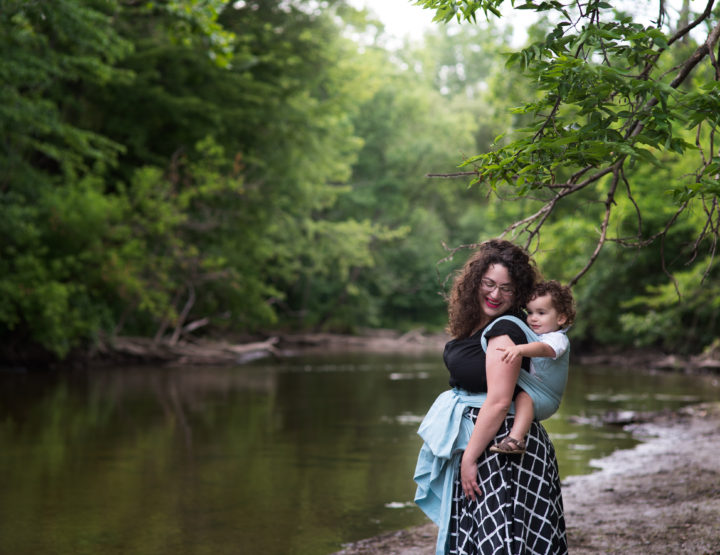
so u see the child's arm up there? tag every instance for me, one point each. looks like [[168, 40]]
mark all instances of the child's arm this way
[[534, 349]]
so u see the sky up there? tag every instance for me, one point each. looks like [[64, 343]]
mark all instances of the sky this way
[[400, 17], [404, 19]]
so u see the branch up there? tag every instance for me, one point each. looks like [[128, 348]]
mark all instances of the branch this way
[[664, 267], [690, 26], [571, 188], [609, 201], [455, 174], [661, 13], [449, 257], [685, 69], [701, 51], [183, 315], [192, 326], [166, 317], [547, 207], [714, 228], [713, 247], [548, 118], [714, 63], [698, 144], [591, 174], [535, 233], [454, 250], [652, 238], [677, 36], [638, 212]]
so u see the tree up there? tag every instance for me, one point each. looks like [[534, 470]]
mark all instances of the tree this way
[[173, 163], [49, 233], [614, 96], [424, 112]]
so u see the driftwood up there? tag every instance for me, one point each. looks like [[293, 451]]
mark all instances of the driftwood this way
[[618, 418], [376, 341], [141, 349], [198, 352], [708, 363]]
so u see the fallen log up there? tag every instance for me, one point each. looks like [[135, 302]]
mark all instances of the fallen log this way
[[145, 350]]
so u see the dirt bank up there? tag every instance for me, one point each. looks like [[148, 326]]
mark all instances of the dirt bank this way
[[238, 350], [196, 352], [662, 497]]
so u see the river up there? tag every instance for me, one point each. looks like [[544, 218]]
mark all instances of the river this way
[[276, 457]]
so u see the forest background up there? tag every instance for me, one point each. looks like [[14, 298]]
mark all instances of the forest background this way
[[202, 168]]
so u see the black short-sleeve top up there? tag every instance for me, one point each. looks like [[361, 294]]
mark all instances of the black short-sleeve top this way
[[465, 358]]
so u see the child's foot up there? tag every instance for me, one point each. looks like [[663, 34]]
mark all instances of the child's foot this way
[[509, 446]]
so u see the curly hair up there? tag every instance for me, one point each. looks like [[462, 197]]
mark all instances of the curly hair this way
[[464, 308], [562, 298]]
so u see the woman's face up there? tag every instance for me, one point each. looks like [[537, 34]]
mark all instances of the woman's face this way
[[496, 291]]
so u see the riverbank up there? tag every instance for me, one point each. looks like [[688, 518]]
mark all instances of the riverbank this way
[[239, 350], [139, 350], [661, 497]]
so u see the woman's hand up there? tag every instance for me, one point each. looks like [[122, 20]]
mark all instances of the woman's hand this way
[[468, 477]]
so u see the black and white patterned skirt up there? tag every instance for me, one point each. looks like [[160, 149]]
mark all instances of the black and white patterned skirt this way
[[521, 509]]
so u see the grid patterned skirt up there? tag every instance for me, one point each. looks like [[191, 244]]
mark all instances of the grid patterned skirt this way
[[521, 509]]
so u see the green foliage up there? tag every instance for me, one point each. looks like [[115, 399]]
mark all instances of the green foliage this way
[[657, 318], [247, 166], [42, 46], [446, 10], [613, 150], [607, 105], [50, 233], [419, 119], [170, 164]]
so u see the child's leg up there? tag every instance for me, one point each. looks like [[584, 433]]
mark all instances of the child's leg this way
[[514, 442], [524, 415]]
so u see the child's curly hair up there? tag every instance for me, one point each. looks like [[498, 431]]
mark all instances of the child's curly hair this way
[[561, 295]]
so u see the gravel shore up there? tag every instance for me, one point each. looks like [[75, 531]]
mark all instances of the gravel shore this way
[[661, 497]]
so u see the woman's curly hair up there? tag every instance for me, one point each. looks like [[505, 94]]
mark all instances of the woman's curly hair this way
[[562, 298], [464, 308]]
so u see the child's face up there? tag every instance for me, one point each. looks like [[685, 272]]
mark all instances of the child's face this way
[[542, 315]]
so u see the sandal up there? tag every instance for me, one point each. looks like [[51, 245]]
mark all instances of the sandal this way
[[509, 446]]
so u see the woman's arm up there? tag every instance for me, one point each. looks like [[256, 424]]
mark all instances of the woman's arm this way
[[501, 380]]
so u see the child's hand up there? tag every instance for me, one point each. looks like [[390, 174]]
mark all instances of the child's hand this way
[[511, 353]]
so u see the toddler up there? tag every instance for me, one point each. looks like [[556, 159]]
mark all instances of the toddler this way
[[550, 312]]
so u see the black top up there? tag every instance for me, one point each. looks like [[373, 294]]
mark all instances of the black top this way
[[465, 358]]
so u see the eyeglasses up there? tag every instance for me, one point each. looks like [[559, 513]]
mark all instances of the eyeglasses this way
[[490, 285]]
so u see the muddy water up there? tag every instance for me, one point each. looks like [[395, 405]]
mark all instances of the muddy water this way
[[292, 457]]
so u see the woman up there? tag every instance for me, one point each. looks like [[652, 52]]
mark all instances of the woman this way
[[496, 503]]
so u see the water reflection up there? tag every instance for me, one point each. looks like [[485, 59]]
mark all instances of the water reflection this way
[[291, 457]]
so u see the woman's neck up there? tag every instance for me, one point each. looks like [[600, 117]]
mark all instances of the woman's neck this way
[[486, 320], [480, 325]]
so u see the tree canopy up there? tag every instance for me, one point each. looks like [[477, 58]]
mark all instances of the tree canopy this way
[[611, 96], [187, 167]]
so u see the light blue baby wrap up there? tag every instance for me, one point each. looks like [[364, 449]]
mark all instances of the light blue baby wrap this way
[[547, 385], [447, 427]]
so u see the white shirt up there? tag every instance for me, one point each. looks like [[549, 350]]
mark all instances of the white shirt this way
[[557, 340]]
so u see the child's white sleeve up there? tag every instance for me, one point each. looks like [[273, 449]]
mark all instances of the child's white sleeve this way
[[558, 341]]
